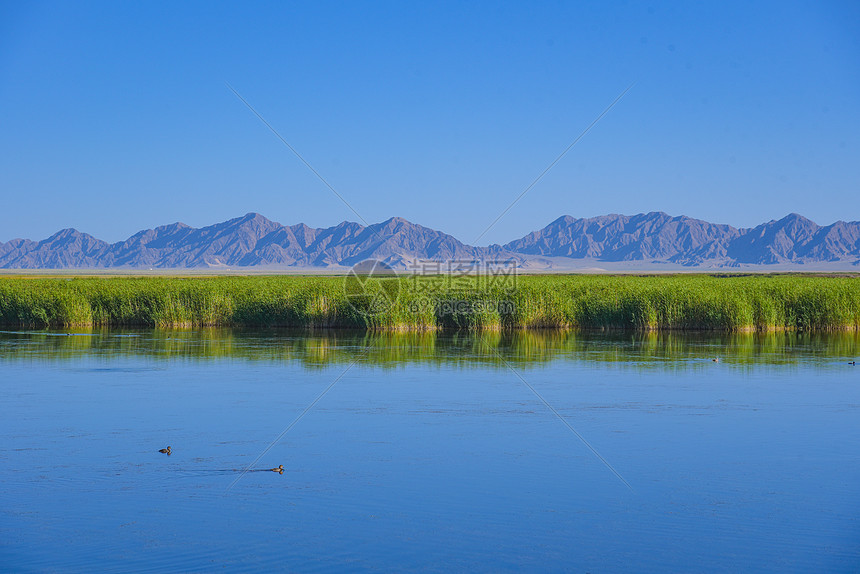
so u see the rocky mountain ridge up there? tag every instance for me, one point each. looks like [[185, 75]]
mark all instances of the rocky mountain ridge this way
[[657, 236], [254, 241]]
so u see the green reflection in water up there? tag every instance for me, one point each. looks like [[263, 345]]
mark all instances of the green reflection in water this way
[[524, 348]]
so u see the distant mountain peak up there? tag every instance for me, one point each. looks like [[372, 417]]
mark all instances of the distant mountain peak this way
[[397, 220], [64, 233], [173, 226]]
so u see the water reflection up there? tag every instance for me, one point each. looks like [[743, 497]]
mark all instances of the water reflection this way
[[318, 349]]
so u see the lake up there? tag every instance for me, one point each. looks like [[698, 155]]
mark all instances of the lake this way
[[556, 452]]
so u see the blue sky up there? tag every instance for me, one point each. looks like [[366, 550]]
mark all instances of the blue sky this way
[[115, 117]]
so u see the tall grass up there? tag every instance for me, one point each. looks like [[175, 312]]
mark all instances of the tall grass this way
[[644, 303]]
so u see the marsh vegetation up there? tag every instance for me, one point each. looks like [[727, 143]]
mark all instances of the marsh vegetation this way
[[678, 302]]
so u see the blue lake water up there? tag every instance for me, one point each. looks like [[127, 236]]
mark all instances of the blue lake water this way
[[429, 452]]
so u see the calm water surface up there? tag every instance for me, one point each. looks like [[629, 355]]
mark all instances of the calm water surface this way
[[429, 452]]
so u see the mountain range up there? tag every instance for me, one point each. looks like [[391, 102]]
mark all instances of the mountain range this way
[[254, 241]]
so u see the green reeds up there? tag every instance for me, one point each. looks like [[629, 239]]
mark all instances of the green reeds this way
[[643, 303]]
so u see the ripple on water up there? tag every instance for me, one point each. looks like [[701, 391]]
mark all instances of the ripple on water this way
[[430, 466]]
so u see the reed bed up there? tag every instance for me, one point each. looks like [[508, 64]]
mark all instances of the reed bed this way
[[640, 303]]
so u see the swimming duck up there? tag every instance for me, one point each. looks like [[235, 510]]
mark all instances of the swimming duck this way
[[852, 362], [165, 450], [279, 469]]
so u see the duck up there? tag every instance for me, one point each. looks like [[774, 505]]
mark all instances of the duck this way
[[852, 362], [165, 450], [279, 469]]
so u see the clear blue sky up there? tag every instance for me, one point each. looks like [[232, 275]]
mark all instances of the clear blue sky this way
[[115, 117]]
